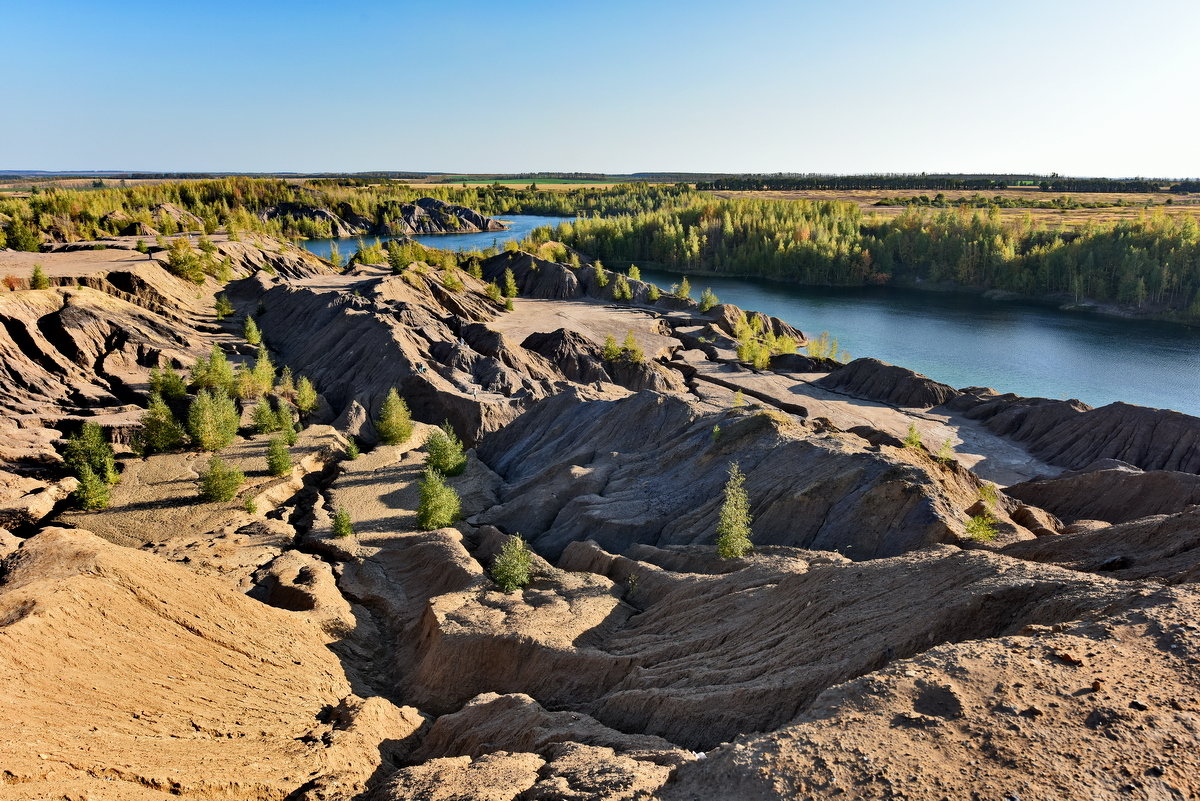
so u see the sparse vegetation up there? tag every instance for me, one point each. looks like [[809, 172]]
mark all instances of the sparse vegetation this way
[[611, 350], [512, 566], [945, 452], [631, 350], [912, 439], [439, 505], [394, 424], [733, 521], [219, 482], [445, 451], [739, 399], [223, 307]]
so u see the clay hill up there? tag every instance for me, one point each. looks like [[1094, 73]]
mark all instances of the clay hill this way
[[953, 593], [426, 215]]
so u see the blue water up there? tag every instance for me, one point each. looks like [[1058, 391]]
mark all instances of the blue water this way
[[519, 226], [966, 340], [957, 338]]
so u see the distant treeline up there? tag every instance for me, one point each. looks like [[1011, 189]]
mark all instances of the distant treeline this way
[[979, 201], [1155, 260], [1053, 183]]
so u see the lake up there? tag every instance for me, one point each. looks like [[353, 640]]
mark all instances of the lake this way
[[519, 226], [960, 339], [963, 339]]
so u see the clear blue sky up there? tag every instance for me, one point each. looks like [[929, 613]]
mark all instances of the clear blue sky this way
[[1082, 87]]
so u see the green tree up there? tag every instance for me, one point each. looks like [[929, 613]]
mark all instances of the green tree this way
[[212, 420], [653, 293], [39, 280], [510, 283], [912, 439], [708, 299], [733, 521], [599, 274], [167, 383], [219, 483], [286, 385], [352, 451], [21, 236], [611, 351], [223, 307], [439, 506], [306, 396], [445, 451], [634, 273], [251, 332], [394, 423], [982, 527], [279, 460], [287, 426], [342, 527], [92, 492], [621, 290], [265, 419], [90, 449], [160, 432], [335, 256], [512, 566], [685, 288], [183, 261], [214, 373], [632, 350]]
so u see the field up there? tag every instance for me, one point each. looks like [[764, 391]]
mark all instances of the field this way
[[1137, 204]]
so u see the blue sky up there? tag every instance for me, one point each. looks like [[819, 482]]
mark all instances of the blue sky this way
[[1081, 87]]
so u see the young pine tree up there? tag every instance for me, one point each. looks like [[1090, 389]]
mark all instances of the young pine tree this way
[[306, 396], [733, 521], [251, 332], [635, 273], [212, 420], [611, 351], [161, 432], [167, 383], [632, 350], [685, 288], [39, 280], [220, 482], [279, 460], [214, 373], [599, 274], [440, 505], [287, 427], [512, 565], [394, 423], [223, 307], [265, 418], [342, 527], [510, 284], [90, 449], [445, 451], [92, 492], [708, 299]]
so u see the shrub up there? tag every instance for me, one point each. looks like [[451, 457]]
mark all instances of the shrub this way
[[279, 460], [394, 423], [634, 273], [621, 290], [739, 399], [510, 284], [306, 396], [283, 414], [214, 373], [92, 492], [39, 279], [982, 527], [89, 449], [631, 350], [685, 288], [494, 293], [212, 420], [250, 506], [653, 293], [440, 505], [220, 482], [183, 261], [445, 451], [11, 282], [286, 385], [352, 451], [611, 351], [251, 332], [708, 300], [511, 568], [342, 527], [733, 521], [167, 383], [161, 432], [913, 438], [988, 494], [945, 453], [451, 281], [223, 307], [716, 433], [508, 304], [826, 347]]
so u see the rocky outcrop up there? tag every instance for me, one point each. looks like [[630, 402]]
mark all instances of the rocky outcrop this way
[[583, 362], [878, 381], [1114, 492], [1072, 434], [649, 468], [424, 216]]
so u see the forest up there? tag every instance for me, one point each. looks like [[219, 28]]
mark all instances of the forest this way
[[1051, 183], [1152, 262]]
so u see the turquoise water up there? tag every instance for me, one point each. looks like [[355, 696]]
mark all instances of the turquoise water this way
[[957, 338], [519, 226], [966, 340]]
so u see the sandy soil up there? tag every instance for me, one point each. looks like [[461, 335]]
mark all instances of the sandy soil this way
[[592, 318]]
